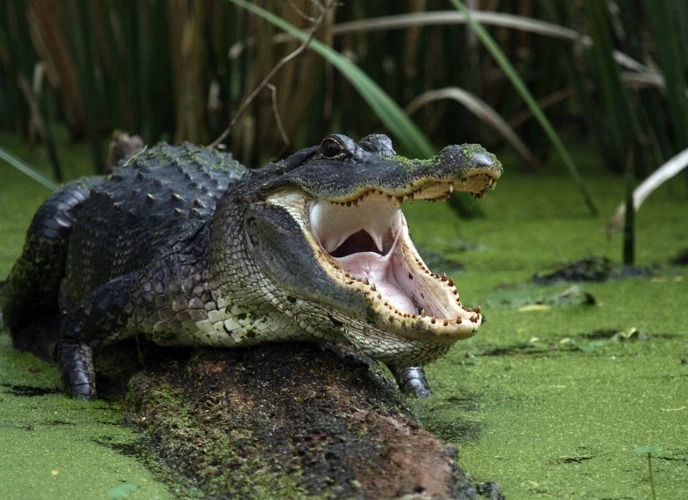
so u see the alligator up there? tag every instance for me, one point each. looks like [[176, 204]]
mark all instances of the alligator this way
[[187, 247]]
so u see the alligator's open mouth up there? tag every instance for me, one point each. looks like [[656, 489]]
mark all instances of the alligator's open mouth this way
[[364, 244]]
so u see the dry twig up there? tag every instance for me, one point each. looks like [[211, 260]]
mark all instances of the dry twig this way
[[278, 118], [266, 81]]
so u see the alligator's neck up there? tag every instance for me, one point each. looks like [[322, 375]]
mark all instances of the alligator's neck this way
[[237, 280], [230, 267]]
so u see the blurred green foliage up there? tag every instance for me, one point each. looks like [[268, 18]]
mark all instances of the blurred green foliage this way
[[179, 69]]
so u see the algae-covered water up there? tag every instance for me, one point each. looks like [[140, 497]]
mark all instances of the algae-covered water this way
[[52, 447], [547, 401], [553, 402]]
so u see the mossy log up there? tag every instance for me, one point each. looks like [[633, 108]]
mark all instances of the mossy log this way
[[290, 420]]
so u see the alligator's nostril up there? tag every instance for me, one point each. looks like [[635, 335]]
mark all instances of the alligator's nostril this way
[[482, 160]]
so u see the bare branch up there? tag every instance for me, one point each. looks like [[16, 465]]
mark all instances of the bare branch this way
[[275, 110], [266, 81], [301, 13]]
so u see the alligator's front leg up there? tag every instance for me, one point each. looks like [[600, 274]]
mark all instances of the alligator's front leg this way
[[101, 316], [412, 381]]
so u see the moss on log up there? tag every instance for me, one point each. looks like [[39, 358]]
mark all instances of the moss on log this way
[[292, 420]]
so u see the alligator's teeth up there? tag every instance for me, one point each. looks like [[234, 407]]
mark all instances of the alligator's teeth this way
[[377, 239], [333, 225], [334, 242], [451, 188]]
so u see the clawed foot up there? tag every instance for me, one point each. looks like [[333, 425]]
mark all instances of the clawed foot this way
[[75, 361], [412, 381]]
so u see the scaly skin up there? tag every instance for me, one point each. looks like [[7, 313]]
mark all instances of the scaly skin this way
[[187, 247]]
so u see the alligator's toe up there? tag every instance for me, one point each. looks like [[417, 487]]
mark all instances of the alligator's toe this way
[[84, 392], [418, 389], [412, 381]]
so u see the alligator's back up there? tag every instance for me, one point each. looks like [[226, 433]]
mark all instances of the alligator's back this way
[[93, 230], [148, 209]]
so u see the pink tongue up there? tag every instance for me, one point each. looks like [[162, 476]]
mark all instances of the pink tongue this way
[[375, 267]]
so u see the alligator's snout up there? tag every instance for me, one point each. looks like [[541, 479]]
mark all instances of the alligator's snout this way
[[467, 159], [472, 155]]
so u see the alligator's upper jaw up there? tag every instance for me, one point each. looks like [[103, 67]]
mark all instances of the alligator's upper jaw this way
[[368, 248]]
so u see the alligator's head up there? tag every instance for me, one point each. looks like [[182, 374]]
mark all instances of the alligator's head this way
[[326, 226]]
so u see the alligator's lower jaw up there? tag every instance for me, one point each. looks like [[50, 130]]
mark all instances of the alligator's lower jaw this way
[[375, 256]]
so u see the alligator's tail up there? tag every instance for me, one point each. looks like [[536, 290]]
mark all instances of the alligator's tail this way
[[31, 309]]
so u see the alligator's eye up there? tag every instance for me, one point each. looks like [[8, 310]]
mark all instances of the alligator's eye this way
[[331, 148]]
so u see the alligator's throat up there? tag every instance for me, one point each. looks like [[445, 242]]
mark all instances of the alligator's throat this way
[[364, 239]]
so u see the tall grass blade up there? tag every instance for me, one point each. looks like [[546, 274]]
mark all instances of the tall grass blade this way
[[629, 221], [480, 109], [511, 73], [668, 170], [673, 65], [389, 112], [87, 79], [562, 12], [553, 99], [438, 18], [499, 19], [114, 86], [50, 36], [14, 55], [26, 169], [619, 119], [650, 110], [635, 81], [39, 118]]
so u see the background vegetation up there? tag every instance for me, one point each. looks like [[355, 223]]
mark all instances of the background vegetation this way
[[547, 399], [607, 72]]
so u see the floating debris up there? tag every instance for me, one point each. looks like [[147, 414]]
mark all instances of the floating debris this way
[[593, 269]]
